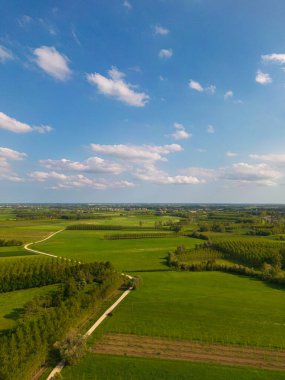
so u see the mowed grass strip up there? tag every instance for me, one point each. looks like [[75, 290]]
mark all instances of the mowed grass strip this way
[[143, 346], [6, 252], [127, 255], [98, 367], [11, 304], [205, 306]]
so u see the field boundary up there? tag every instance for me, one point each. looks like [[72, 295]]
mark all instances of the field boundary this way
[[192, 351]]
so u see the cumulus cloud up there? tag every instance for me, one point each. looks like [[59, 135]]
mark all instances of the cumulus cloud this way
[[115, 86], [52, 62], [263, 78], [10, 154], [239, 173], [196, 86], [229, 94], [180, 132], [159, 30], [271, 157], [137, 152], [150, 173], [13, 125], [210, 129], [7, 155], [274, 58], [91, 165], [165, 53], [63, 181], [261, 174]]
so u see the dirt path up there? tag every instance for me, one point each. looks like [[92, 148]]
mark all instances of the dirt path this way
[[153, 347], [27, 246], [61, 365]]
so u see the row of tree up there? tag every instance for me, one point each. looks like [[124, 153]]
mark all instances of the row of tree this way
[[10, 243], [46, 321], [45, 271], [252, 252], [139, 236], [86, 226]]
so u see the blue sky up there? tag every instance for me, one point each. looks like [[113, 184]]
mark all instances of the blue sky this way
[[142, 101]]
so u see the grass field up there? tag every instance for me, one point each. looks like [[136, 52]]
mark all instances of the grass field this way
[[208, 306], [205, 306], [128, 255], [99, 367], [7, 252], [11, 304]]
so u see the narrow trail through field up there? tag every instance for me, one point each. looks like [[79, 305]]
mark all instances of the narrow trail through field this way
[[61, 364], [164, 348], [27, 246]]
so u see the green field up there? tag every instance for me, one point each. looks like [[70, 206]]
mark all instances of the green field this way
[[128, 255], [208, 306], [205, 306], [11, 304], [99, 367]]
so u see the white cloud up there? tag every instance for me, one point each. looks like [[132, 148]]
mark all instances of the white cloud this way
[[10, 154], [210, 129], [91, 165], [239, 173], [165, 53], [211, 89], [274, 58], [43, 129], [63, 181], [137, 153], [180, 132], [13, 125], [52, 62], [271, 157], [262, 78], [160, 30], [196, 86], [5, 54], [116, 87], [6, 172], [43, 176], [127, 4], [231, 154], [260, 174], [150, 173], [228, 94]]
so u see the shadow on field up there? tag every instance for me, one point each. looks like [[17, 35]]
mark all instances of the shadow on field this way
[[15, 254], [15, 314]]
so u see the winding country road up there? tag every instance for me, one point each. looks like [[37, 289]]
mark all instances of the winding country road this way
[[27, 246], [61, 364]]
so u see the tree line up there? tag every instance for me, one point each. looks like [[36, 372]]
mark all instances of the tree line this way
[[252, 252], [138, 236], [204, 259], [10, 243], [24, 274], [47, 320], [83, 226]]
